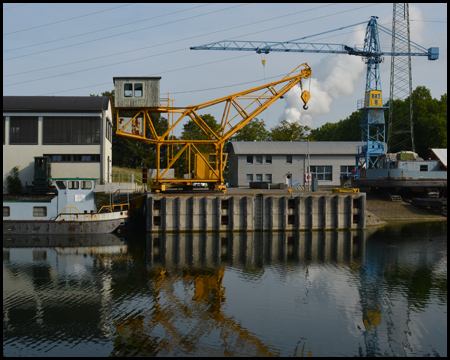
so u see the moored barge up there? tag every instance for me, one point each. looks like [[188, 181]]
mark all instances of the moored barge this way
[[71, 210]]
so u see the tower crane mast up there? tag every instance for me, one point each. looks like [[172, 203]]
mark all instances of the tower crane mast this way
[[372, 123]]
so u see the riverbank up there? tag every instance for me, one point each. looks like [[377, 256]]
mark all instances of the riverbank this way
[[381, 211]]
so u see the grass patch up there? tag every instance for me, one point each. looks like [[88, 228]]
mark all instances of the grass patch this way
[[120, 170]]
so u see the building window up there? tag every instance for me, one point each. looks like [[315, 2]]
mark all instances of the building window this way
[[249, 177], [268, 159], [288, 159], [423, 167], [346, 170], [71, 130], [109, 131], [258, 159], [258, 177], [74, 157], [23, 130], [249, 159], [86, 130], [128, 90], [6, 211], [39, 211], [269, 177], [322, 172], [138, 90]]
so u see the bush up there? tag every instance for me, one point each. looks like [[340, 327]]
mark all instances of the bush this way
[[13, 183]]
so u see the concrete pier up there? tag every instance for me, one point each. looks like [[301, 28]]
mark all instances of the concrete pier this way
[[257, 212]]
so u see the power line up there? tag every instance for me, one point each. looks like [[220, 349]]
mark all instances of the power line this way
[[108, 28], [127, 61], [145, 57], [164, 43], [123, 33], [60, 21], [159, 72], [12, 7]]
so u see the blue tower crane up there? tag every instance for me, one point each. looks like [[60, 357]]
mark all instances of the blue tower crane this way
[[372, 122]]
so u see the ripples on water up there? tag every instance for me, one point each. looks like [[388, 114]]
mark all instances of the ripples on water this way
[[380, 292]]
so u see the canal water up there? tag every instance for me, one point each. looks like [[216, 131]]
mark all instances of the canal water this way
[[379, 292]]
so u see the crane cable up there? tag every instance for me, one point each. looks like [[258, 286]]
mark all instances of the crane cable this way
[[263, 61]]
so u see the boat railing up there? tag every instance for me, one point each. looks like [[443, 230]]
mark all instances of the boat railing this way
[[70, 208], [105, 208], [111, 208]]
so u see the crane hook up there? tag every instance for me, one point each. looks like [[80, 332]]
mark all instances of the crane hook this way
[[305, 97]]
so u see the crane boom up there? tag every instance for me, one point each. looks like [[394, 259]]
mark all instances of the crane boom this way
[[264, 47]]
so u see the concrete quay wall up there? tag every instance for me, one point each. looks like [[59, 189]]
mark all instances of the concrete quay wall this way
[[255, 213]]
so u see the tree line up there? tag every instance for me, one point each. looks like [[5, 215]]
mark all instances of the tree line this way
[[429, 119]]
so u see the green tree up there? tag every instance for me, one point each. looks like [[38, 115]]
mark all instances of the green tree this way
[[255, 130], [288, 131], [430, 121], [344, 130], [13, 183]]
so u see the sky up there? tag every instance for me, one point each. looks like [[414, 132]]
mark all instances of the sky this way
[[77, 49]]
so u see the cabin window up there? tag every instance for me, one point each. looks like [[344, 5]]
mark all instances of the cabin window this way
[[423, 167], [39, 211], [128, 90], [6, 211], [86, 185], [138, 90], [61, 185], [73, 184]]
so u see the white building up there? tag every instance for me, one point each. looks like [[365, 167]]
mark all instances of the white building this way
[[287, 162], [74, 131]]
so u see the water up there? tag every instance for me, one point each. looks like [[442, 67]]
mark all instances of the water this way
[[379, 292]]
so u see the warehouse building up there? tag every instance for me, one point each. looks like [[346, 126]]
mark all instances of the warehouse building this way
[[287, 162], [74, 131]]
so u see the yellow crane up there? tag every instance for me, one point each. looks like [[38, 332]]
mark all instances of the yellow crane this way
[[207, 167]]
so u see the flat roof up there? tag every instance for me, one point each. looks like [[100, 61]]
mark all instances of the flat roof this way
[[55, 103], [295, 147], [136, 78]]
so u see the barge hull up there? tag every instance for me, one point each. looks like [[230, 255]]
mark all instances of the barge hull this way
[[61, 227], [403, 183]]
